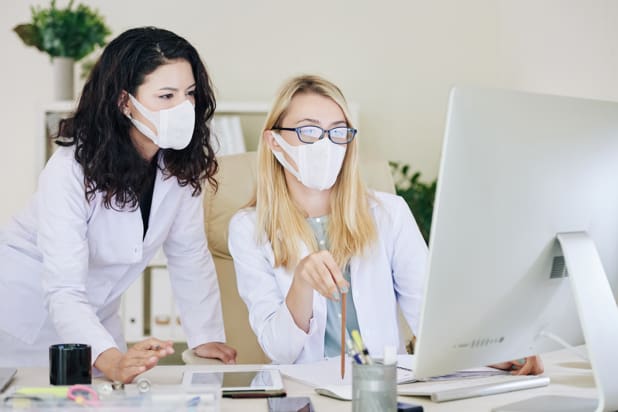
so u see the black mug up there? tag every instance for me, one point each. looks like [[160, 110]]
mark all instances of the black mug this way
[[70, 364]]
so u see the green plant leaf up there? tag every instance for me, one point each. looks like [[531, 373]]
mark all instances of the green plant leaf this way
[[418, 195], [66, 32], [29, 35]]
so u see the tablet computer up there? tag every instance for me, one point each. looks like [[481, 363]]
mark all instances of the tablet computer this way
[[255, 383]]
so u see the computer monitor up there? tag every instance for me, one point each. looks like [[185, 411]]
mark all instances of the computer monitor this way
[[527, 195]]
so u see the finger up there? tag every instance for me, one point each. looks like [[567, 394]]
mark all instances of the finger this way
[[518, 364], [138, 359], [147, 353], [217, 351], [225, 356], [316, 270], [315, 274], [503, 365], [538, 366], [324, 283], [230, 353], [526, 368], [154, 347], [228, 350], [335, 272], [149, 344], [166, 346]]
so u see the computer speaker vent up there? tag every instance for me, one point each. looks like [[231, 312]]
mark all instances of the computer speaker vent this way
[[558, 268]]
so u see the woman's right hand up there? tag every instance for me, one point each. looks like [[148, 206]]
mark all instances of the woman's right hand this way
[[320, 271], [142, 356], [317, 271]]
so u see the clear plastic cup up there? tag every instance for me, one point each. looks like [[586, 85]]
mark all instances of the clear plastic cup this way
[[374, 388]]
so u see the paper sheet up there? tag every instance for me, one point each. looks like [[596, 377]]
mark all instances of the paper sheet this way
[[324, 376], [326, 372]]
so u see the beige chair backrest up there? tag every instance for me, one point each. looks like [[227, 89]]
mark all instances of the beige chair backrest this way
[[237, 176]]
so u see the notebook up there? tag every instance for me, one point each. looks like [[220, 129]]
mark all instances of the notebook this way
[[6, 375]]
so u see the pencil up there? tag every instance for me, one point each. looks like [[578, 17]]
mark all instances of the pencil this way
[[343, 330]]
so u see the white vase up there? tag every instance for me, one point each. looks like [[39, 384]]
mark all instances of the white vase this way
[[63, 68]]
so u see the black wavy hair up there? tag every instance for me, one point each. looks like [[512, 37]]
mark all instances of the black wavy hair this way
[[100, 131]]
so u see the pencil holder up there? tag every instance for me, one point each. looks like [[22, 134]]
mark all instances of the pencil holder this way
[[374, 388], [70, 364]]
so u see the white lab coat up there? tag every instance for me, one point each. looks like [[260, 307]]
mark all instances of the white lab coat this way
[[391, 271], [66, 262]]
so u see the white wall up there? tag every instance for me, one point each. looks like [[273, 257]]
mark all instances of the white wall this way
[[396, 58]]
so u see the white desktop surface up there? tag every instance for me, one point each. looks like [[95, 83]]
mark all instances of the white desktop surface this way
[[570, 376]]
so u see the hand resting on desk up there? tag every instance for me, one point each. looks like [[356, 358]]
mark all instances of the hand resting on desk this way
[[216, 350], [532, 365]]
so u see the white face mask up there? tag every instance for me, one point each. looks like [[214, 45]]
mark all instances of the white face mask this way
[[174, 126], [318, 163]]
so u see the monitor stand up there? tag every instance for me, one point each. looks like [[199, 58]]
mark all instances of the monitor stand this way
[[598, 315]]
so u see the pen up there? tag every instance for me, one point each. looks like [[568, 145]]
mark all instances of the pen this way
[[351, 351], [360, 347]]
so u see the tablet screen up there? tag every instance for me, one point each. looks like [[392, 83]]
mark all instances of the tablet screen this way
[[233, 379], [265, 379]]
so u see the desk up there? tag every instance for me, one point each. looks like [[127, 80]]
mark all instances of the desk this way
[[569, 376]]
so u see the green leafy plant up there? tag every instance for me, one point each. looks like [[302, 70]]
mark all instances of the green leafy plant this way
[[418, 195], [66, 32]]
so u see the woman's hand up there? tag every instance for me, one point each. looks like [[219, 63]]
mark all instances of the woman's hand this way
[[319, 271], [216, 350], [532, 365], [142, 356]]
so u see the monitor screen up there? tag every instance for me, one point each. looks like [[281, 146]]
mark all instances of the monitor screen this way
[[518, 169]]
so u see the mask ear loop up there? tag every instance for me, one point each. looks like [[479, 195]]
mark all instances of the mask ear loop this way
[[285, 148], [150, 116]]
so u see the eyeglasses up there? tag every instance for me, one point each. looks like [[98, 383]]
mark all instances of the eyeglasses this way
[[312, 134]]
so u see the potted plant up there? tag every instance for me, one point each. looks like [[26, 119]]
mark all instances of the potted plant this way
[[418, 195], [67, 35]]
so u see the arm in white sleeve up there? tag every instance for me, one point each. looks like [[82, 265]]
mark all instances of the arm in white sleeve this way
[[63, 213], [279, 336], [409, 263], [192, 273]]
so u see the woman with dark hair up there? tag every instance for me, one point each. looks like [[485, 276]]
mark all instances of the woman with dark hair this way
[[126, 181]]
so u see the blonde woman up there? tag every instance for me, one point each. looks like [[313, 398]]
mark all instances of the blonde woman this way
[[314, 231]]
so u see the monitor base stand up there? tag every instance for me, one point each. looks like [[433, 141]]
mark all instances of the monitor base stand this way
[[597, 311], [551, 403], [598, 315]]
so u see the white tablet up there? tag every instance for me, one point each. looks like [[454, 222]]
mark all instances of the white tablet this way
[[239, 383]]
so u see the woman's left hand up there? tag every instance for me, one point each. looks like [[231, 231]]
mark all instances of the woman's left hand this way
[[532, 365], [216, 350]]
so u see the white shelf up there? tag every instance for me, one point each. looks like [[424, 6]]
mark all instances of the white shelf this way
[[65, 107]]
